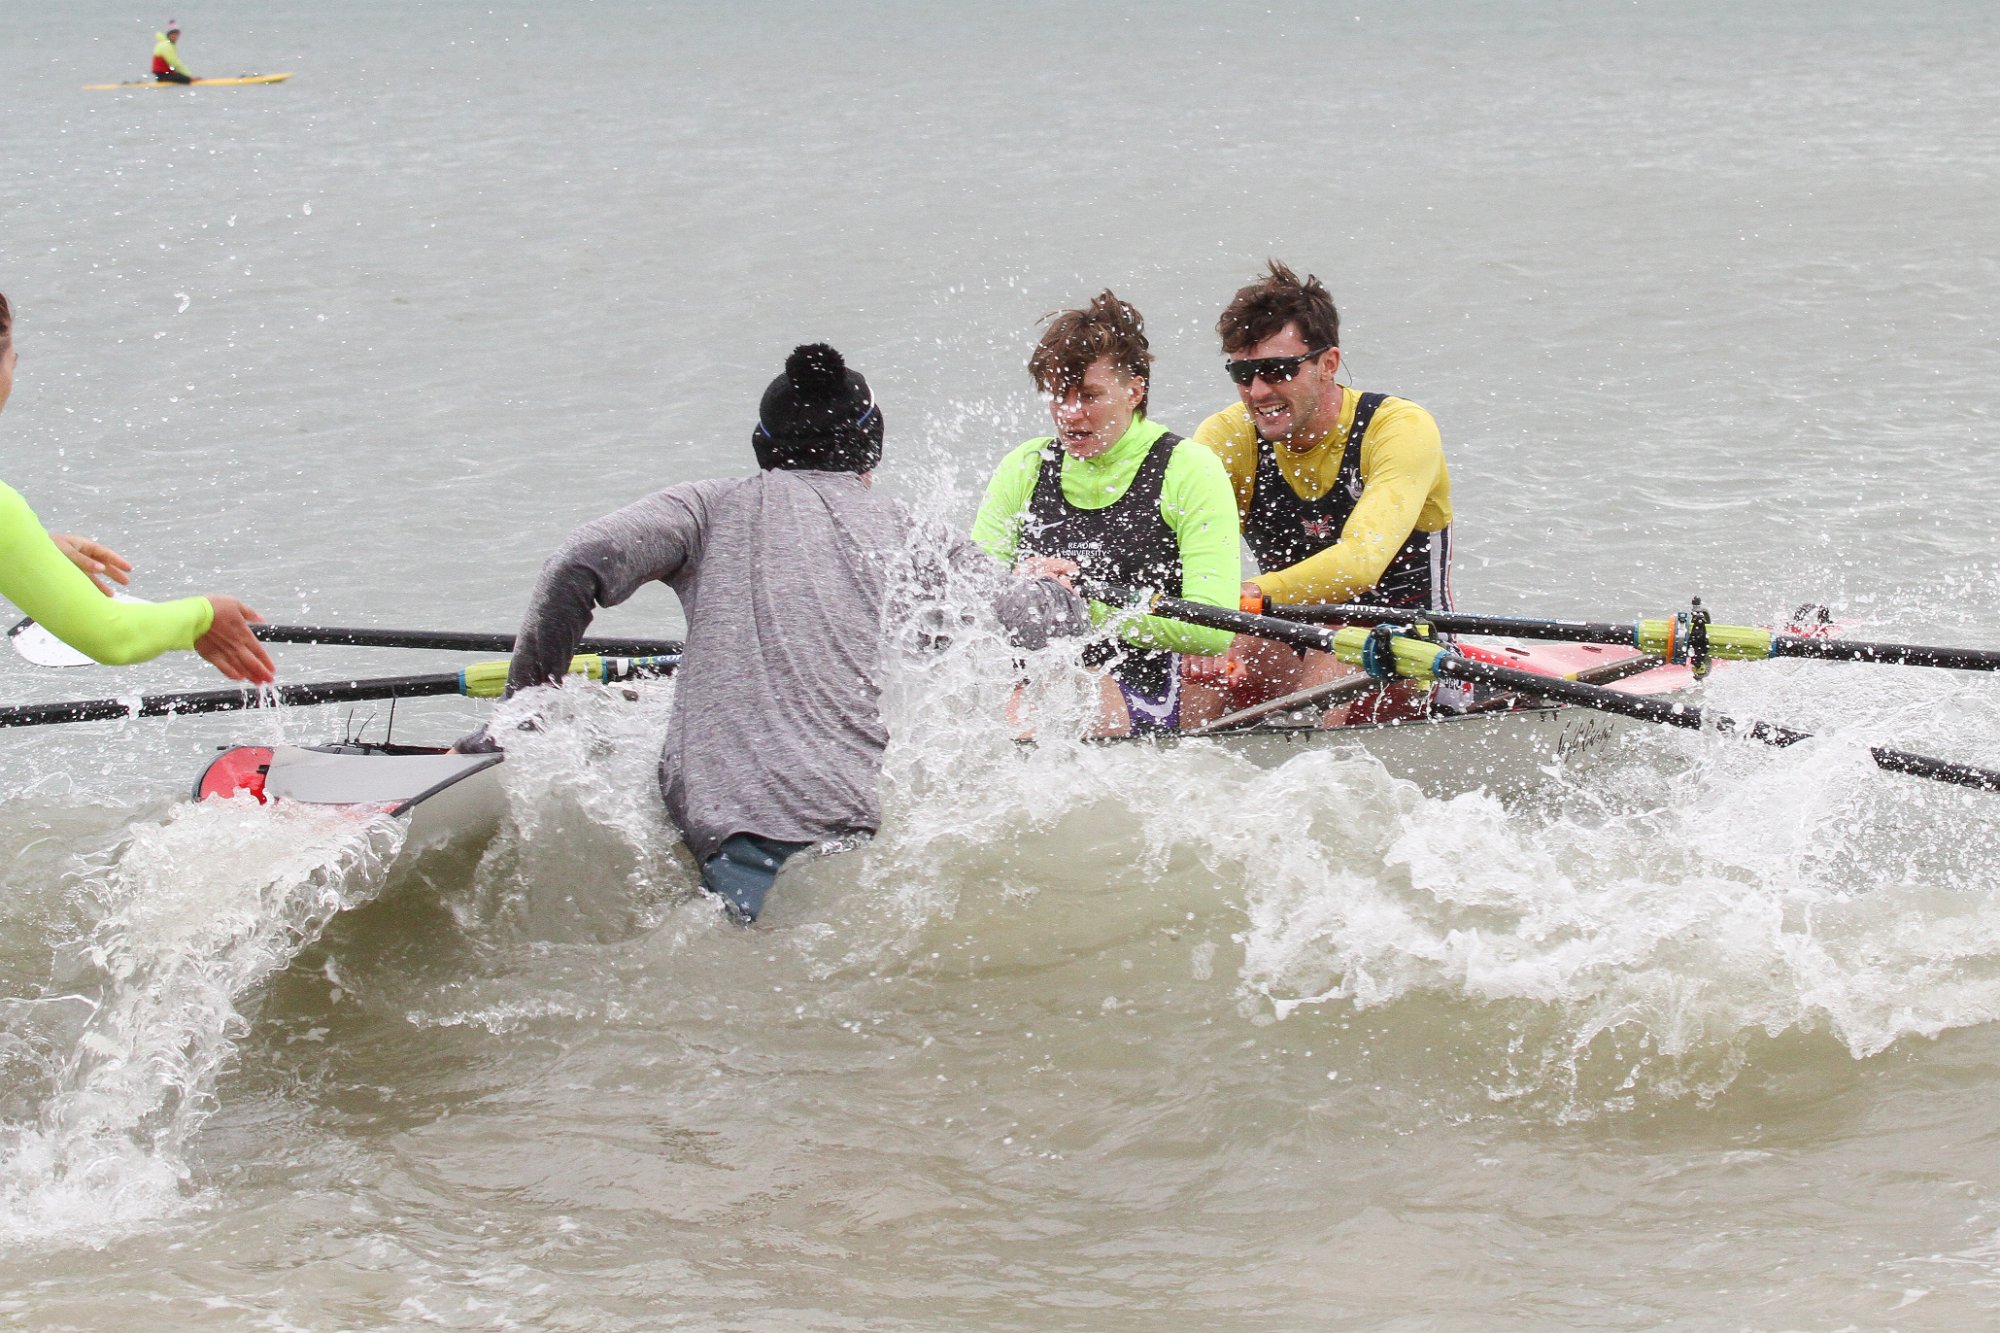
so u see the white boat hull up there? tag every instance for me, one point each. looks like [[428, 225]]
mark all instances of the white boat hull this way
[[447, 796], [1504, 752], [444, 796]]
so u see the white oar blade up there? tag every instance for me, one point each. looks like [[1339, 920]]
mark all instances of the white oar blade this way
[[44, 649]]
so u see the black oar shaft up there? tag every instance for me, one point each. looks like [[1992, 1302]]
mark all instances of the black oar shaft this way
[[1694, 719], [230, 699], [1904, 654], [447, 640], [1455, 622], [1584, 631], [1296, 633], [312, 692], [1937, 770], [1643, 707]]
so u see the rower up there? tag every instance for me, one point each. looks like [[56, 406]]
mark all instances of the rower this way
[[1344, 496], [776, 739], [167, 66], [61, 582], [1116, 498]]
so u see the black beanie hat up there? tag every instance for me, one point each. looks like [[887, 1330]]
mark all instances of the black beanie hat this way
[[818, 416]]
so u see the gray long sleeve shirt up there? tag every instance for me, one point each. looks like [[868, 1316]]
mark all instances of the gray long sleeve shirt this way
[[787, 579]]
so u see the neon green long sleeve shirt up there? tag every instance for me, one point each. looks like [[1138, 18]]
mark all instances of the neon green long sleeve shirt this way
[[163, 49], [37, 577], [1195, 501]]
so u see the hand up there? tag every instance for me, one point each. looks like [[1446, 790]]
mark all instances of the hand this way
[[1206, 670], [1220, 671], [230, 647], [95, 559], [483, 741], [1065, 572], [1252, 598]]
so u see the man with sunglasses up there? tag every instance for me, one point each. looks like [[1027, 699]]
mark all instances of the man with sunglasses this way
[[1344, 496]]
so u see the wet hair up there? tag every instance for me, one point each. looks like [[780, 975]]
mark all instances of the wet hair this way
[[1107, 328], [6, 323], [1262, 310]]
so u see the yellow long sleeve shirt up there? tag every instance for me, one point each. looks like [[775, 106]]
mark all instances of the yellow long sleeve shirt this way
[[1405, 488]]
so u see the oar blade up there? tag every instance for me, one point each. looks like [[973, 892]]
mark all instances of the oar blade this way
[[43, 649]]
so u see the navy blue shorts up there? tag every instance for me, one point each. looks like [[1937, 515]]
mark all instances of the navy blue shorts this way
[[741, 871]]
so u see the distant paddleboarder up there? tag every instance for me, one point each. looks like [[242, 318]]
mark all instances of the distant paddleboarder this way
[[167, 66]]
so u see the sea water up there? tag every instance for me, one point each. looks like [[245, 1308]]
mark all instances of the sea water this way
[[1701, 296]]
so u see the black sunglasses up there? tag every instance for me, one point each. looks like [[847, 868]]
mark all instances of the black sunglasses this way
[[1271, 369]]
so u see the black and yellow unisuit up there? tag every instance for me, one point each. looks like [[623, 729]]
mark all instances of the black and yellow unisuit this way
[[1363, 515]]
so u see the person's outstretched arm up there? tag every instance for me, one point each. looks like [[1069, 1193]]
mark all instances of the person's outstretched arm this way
[[37, 575]]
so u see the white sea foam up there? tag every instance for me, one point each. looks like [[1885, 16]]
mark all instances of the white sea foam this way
[[586, 850], [143, 1014], [1645, 925]]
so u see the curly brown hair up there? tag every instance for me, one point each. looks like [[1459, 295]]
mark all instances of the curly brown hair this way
[[1278, 298], [6, 322], [1074, 339]]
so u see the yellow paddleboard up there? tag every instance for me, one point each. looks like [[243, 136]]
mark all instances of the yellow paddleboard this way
[[198, 83]]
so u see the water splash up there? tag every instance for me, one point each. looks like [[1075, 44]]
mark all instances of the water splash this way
[[125, 1049], [1641, 932], [586, 851]]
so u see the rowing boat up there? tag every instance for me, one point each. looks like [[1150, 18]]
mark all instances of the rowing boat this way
[[447, 796], [237, 82], [1508, 749]]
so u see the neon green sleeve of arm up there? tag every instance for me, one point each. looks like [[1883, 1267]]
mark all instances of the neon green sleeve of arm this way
[[37, 577], [998, 527], [1199, 504]]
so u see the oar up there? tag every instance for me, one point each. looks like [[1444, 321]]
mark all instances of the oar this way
[[1326, 694], [449, 640], [1384, 654], [1673, 639], [37, 645], [482, 680]]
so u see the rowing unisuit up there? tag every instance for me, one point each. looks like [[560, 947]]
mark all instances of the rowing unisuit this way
[[1179, 516], [1362, 515]]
